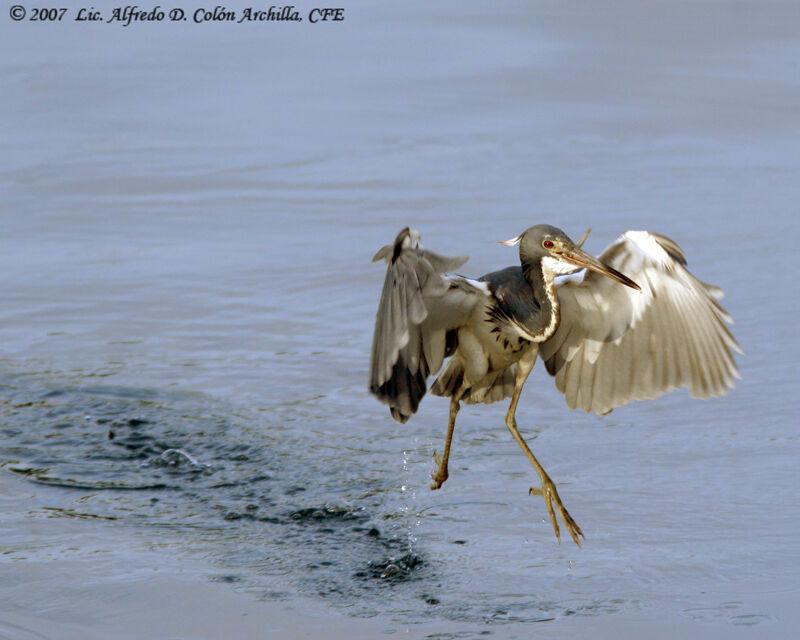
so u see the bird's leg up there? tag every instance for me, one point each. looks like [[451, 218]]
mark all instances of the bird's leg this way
[[548, 490], [440, 475]]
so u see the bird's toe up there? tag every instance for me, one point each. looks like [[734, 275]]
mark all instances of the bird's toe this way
[[438, 478], [550, 495]]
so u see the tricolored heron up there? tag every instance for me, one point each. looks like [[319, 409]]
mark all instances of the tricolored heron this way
[[608, 339]]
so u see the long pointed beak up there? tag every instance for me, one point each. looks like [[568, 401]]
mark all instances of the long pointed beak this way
[[580, 258]]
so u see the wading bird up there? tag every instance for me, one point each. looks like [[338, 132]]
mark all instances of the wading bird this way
[[606, 337]]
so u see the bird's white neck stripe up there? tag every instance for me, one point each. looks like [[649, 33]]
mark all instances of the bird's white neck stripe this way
[[551, 268]]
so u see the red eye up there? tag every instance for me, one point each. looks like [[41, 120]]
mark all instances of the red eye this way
[[547, 244]]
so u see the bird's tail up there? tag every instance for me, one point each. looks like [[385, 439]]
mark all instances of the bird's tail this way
[[496, 386], [449, 381]]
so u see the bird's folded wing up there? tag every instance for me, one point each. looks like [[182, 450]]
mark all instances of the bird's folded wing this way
[[615, 344], [418, 305]]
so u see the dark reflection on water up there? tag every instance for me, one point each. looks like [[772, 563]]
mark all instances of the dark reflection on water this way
[[155, 459], [183, 464]]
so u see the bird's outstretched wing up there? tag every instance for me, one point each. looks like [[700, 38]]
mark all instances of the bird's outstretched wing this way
[[417, 313], [614, 344]]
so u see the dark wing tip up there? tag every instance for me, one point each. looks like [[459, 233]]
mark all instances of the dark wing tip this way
[[404, 390], [671, 247], [402, 418], [398, 243], [391, 252]]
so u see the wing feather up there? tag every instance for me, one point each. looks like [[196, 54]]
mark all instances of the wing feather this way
[[615, 345], [418, 306]]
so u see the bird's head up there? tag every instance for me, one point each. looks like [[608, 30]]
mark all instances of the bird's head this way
[[558, 255]]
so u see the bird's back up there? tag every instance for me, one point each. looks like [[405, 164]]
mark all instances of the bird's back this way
[[514, 305]]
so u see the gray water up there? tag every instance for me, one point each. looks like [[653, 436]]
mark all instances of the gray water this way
[[188, 216]]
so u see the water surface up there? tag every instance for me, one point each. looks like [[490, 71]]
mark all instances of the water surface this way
[[187, 304]]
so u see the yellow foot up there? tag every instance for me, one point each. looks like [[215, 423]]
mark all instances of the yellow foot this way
[[440, 475], [549, 493]]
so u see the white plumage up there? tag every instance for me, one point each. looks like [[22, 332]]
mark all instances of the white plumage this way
[[615, 345]]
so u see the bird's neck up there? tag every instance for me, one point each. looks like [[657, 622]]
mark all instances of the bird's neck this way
[[542, 283]]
